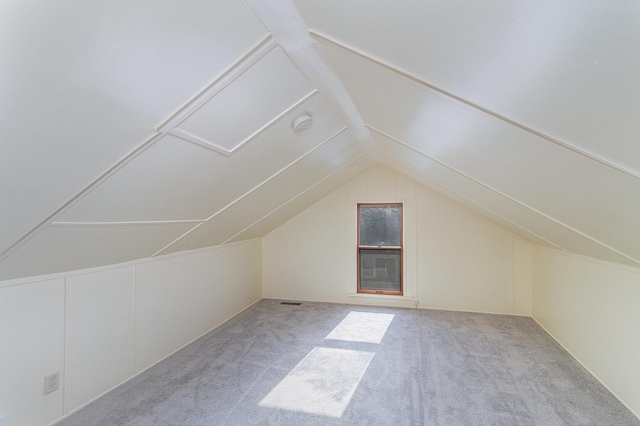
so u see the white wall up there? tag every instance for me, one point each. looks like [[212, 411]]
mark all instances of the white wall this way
[[31, 347], [454, 259], [99, 333], [99, 328], [592, 308]]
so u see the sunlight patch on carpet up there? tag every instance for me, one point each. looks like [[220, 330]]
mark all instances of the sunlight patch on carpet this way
[[322, 383], [364, 327]]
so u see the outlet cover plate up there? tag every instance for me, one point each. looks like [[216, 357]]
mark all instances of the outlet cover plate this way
[[51, 382]]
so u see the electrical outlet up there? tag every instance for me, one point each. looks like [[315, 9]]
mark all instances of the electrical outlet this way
[[52, 382]]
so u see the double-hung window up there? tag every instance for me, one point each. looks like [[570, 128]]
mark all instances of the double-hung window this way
[[380, 248]]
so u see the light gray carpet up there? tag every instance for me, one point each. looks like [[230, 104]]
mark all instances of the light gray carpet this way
[[307, 365]]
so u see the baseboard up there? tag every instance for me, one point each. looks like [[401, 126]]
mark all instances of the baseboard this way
[[587, 368]]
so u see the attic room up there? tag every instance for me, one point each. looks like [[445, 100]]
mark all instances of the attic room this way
[[170, 173]]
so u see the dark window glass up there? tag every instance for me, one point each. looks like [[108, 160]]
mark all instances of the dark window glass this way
[[380, 270]]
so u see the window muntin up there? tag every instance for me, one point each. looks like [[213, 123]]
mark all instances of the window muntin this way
[[380, 248]]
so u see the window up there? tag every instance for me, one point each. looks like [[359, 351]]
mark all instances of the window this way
[[380, 248]]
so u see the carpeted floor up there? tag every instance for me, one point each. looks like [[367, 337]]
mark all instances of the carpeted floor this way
[[329, 364]]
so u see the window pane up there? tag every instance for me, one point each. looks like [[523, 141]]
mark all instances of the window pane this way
[[380, 270], [380, 225]]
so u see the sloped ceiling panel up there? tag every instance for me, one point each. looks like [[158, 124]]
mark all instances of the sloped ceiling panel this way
[[221, 149], [596, 202], [82, 86], [67, 248], [322, 161], [177, 180], [573, 190], [246, 105], [304, 200], [458, 197], [520, 219], [567, 69]]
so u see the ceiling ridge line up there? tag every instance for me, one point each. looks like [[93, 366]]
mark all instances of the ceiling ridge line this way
[[364, 154], [80, 195], [505, 195], [341, 104], [124, 223], [189, 137], [266, 45], [587, 154], [287, 26], [251, 190], [411, 171]]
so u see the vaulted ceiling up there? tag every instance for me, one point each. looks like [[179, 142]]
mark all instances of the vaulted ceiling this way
[[133, 129]]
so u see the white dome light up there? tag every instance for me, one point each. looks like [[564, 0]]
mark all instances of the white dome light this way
[[303, 122]]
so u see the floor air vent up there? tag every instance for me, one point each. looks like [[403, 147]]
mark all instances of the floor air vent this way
[[291, 303]]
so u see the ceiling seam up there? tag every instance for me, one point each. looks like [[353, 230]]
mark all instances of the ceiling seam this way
[[256, 53], [80, 195], [124, 223], [410, 170], [296, 196], [188, 137], [506, 196], [555, 141], [282, 170]]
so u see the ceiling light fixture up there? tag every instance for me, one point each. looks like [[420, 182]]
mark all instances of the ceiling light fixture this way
[[301, 123]]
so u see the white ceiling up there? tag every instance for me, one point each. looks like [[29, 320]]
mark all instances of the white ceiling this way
[[132, 129]]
